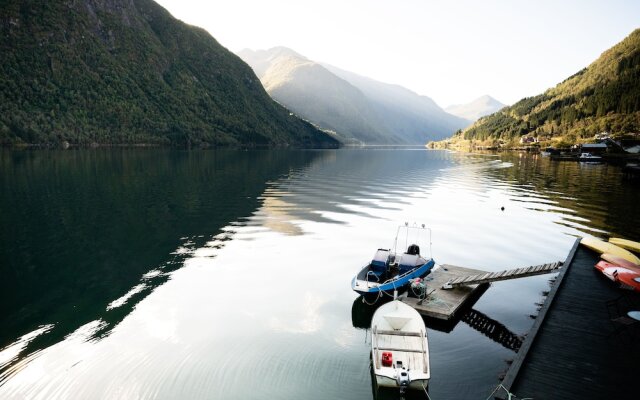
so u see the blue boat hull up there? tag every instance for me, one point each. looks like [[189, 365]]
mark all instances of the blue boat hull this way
[[400, 283]]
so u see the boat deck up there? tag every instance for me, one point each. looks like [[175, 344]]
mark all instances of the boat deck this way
[[445, 304], [406, 347], [573, 350]]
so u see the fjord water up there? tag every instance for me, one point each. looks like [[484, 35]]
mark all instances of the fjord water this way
[[153, 273]]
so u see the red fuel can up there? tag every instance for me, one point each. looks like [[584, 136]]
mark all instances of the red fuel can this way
[[387, 359]]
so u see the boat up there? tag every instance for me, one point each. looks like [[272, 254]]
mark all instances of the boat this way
[[389, 271], [620, 261], [399, 347], [588, 157], [601, 247], [627, 278], [626, 244]]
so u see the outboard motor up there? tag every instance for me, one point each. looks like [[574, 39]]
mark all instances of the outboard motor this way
[[402, 379], [414, 250]]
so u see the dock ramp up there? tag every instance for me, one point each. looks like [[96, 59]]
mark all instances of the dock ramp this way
[[502, 275]]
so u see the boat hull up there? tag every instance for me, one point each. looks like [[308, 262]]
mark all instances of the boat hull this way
[[590, 160], [385, 381], [370, 289]]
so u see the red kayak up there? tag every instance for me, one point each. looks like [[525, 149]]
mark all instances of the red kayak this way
[[627, 278]]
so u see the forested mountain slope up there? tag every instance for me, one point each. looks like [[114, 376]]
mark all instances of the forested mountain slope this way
[[126, 71], [605, 96]]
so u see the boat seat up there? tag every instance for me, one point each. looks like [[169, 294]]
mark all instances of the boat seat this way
[[379, 262], [410, 261]]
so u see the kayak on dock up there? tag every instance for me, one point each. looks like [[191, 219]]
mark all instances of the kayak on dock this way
[[626, 244], [620, 262], [627, 278], [601, 246]]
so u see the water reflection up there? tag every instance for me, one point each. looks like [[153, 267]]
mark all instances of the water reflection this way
[[91, 233], [188, 274]]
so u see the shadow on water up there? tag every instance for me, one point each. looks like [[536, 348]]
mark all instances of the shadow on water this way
[[85, 235], [362, 313]]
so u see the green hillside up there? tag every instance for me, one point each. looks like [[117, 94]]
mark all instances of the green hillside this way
[[605, 96], [126, 71]]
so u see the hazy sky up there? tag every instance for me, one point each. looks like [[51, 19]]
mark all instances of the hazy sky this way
[[452, 51]]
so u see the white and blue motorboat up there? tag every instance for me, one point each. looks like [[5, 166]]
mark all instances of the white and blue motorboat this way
[[390, 270]]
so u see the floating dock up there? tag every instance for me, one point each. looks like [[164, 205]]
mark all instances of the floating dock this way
[[445, 304], [450, 287], [573, 350]]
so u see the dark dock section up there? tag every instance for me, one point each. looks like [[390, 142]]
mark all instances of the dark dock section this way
[[574, 350]]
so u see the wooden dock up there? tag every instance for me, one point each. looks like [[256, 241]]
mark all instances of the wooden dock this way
[[573, 350], [487, 277], [445, 304]]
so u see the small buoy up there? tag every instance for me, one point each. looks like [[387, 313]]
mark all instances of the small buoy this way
[[502, 208]]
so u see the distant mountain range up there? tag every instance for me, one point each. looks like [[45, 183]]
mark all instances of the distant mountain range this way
[[126, 71], [358, 109], [480, 107], [605, 96]]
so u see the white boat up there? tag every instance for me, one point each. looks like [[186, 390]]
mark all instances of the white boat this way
[[588, 157], [399, 347]]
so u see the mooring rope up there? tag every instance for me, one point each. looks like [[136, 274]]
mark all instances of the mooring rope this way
[[510, 395], [425, 391]]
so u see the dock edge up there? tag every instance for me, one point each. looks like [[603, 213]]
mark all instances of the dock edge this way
[[514, 369]]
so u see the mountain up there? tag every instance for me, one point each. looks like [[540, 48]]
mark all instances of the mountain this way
[[357, 108], [126, 71], [314, 93], [415, 118], [605, 96], [480, 107]]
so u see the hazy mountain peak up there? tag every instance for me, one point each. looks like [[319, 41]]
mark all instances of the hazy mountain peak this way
[[261, 60], [483, 105], [356, 107]]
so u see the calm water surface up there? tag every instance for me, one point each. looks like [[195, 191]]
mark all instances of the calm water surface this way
[[225, 274]]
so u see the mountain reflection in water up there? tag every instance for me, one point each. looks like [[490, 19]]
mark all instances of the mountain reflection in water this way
[[225, 274]]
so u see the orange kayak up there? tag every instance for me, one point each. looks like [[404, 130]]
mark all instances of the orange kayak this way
[[628, 279]]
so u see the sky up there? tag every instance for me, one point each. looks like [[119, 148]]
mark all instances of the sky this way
[[452, 51]]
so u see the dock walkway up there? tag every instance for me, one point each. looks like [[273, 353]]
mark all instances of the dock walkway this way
[[572, 351], [487, 277]]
